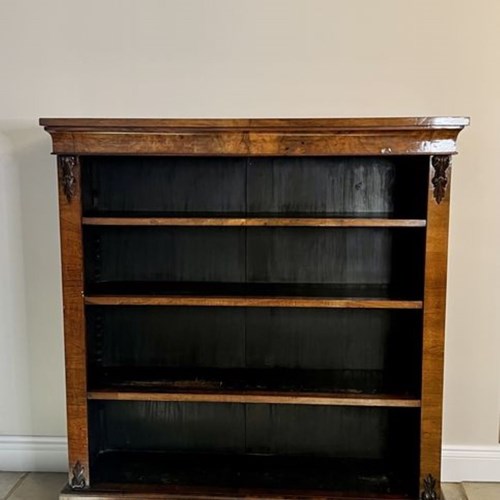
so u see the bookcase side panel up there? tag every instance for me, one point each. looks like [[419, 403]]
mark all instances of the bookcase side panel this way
[[434, 321], [70, 211]]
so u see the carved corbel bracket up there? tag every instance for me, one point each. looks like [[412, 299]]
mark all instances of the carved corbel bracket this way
[[440, 164], [78, 480], [430, 492], [68, 179]]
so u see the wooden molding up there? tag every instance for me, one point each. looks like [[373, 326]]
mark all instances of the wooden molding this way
[[257, 137]]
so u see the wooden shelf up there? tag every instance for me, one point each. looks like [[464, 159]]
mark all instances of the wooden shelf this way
[[252, 222], [161, 293], [227, 301], [328, 387], [296, 398]]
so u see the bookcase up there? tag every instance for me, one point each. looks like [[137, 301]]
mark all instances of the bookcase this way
[[254, 308]]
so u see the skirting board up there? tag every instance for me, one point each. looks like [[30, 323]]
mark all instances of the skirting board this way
[[33, 453], [470, 463], [49, 454]]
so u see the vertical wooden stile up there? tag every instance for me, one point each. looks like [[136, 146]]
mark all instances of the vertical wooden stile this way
[[70, 210], [434, 319]]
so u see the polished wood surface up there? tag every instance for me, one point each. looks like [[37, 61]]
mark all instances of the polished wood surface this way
[[110, 300], [74, 317], [434, 329], [251, 222], [323, 399], [259, 137], [148, 124]]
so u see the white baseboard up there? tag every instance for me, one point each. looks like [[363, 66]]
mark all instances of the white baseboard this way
[[471, 463], [49, 454], [33, 453]]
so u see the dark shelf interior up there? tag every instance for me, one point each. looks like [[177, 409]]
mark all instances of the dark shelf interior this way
[[267, 186], [345, 477], [362, 382], [339, 450], [271, 260], [268, 349], [275, 447]]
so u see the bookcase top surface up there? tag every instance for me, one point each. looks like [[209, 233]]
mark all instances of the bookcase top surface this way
[[392, 123], [255, 136]]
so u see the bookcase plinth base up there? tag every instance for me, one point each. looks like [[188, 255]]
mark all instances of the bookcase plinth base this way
[[129, 494]]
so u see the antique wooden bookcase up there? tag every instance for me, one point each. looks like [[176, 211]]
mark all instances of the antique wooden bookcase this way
[[254, 308]]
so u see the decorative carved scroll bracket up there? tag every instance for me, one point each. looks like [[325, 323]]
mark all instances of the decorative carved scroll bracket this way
[[78, 481], [429, 492], [68, 164], [440, 163]]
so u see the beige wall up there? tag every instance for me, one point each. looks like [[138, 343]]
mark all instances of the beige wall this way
[[228, 58]]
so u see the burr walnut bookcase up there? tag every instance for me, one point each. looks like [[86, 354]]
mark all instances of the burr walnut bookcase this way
[[254, 308]]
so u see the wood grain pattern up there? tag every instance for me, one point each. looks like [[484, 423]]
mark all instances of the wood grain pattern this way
[[376, 136], [255, 144], [251, 222], [172, 300], [74, 320], [433, 331], [297, 398]]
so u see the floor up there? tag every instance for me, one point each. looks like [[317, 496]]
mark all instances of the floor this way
[[46, 486]]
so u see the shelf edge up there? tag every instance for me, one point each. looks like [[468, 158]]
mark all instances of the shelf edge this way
[[252, 222], [224, 301], [262, 398]]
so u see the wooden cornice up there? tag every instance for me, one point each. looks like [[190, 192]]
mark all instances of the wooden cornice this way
[[264, 137]]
